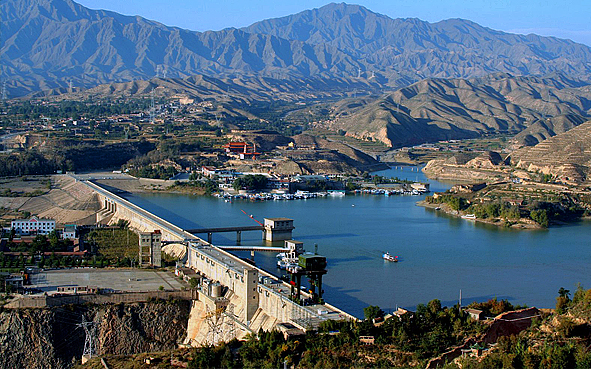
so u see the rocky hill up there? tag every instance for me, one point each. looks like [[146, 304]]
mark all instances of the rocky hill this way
[[317, 155], [534, 108], [566, 156], [235, 91], [48, 43]]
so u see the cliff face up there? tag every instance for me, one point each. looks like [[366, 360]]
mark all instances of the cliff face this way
[[130, 329], [49, 338]]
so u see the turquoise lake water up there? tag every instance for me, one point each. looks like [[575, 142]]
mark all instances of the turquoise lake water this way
[[439, 255]]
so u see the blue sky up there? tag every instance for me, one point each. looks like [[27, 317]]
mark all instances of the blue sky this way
[[560, 18]]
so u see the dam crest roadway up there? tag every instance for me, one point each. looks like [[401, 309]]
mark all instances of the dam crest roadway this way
[[235, 297]]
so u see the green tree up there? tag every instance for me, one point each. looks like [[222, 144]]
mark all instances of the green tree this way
[[563, 300], [562, 292], [372, 312], [250, 182], [193, 282], [540, 216]]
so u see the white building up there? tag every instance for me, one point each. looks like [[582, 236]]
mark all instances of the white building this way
[[33, 225], [70, 232]]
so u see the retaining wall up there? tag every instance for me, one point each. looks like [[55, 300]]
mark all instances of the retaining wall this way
[[111, 298]]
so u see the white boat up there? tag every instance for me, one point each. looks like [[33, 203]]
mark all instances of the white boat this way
[[286, 263], [469, 216], [389, 257], [281, 264]]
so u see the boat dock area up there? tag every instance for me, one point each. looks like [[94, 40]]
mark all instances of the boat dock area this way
[[268, 196], [414, 189]]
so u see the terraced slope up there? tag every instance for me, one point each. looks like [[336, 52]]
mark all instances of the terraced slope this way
[[567, 155]]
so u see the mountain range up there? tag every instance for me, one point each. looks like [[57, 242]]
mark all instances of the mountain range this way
[[49, 43], [528, 108]]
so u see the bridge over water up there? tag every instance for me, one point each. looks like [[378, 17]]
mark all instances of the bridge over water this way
[[238, 230]]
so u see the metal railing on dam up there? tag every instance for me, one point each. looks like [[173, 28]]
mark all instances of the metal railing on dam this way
[[220, 265], [169, 227]]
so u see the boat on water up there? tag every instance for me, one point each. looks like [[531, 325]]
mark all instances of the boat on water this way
[[469, 216], [389, 257], [286, 263]]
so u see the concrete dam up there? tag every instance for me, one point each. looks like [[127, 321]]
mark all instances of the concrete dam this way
[[234, 297]]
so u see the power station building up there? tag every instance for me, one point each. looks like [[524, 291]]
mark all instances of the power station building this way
[[33, 225]]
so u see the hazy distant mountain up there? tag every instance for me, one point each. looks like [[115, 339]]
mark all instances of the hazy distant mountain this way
[[47, 43], [450, 48], [534, 108]]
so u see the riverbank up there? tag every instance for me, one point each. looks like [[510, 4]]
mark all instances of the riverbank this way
[[499, 222], [438, 254]]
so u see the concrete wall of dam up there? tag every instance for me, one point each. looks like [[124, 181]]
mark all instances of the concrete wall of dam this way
[[259, 298]]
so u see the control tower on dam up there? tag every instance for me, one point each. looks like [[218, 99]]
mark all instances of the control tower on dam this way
[[235, 297]]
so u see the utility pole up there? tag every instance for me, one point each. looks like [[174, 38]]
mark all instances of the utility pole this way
[[152, 108]]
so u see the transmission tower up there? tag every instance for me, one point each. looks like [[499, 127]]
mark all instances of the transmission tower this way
[[90, 330], [230, 326], [226, 95], [4, 90], [214, 319], [70, 86], [152, 108]]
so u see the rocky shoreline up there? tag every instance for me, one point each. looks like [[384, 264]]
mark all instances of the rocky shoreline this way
[[499, 222]]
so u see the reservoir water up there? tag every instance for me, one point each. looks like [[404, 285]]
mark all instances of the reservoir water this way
[[439, 255]]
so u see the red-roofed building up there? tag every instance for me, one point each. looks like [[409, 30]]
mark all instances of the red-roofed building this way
[[243, 149]]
